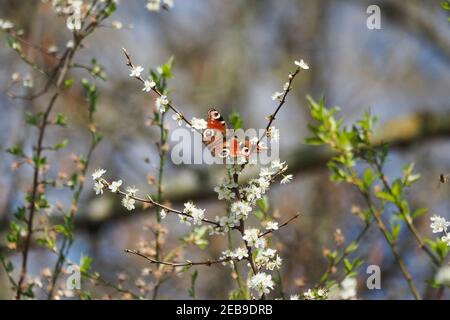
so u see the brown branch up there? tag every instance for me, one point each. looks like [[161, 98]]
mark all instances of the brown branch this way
[[153, 202], [130, 64], [181, 264], [280, 105], [407, 218], [265, 233]]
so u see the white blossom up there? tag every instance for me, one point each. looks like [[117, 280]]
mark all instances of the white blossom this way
[[268, 258], [52, 49], [98, 173], [348, 288], [15, 77], [309, 295], [178, 118], [98, 187], [153, 5], [260, 243], [168, 3], [6, 24], [294, 297], [302, 64], [185, 219], [272, 225], [322, 293], [240, 253], [277, 95], [28, 81], [117, 25], [262, 283], [224, 192], [252, 193], [265, 172], [198, 124], [148, 85], [195, 213], [115, 185], [161, 103], [128, 202], [136, 71], [274, 134], [227, 223], [240, 209], [251, 236], [286, 179], [73, 22], [446, 239], [188, 207], [443, 276], [198, 215], [439, 224], [131, 191], [277, 165]]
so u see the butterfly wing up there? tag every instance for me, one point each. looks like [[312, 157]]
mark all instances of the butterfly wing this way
[[214, 136]]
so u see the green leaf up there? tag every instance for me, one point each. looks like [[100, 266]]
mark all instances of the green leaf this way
[[33, 119], [61, 145], [68, 83], [236, 120], [348, 265], [61, 120], [16, 150], [85, 264], [353, 246], [385, 196], [263, 204], [419, 212], [191, 290]]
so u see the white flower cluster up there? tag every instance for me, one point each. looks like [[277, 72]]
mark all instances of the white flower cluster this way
[[135, 72], [73, 21], [316, 294], [259, 186], [440, 225], [128, 201], [262, 283], [238, 254], [268, 258], [195, 214], [156, 5], [198, 124], [346, 290], [6, 24], [161, 103], [148, 85]]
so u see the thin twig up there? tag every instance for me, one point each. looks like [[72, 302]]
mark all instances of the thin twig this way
[[181, 264], [130, 64], [265, 233]]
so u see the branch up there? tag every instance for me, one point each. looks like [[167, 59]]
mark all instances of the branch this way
[[153, 202], [181, 264], [280, 226], [130, 64]]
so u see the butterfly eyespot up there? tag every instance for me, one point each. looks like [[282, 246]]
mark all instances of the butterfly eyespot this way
[[224, 153], [208, 134], [245, 151], [215, 115]]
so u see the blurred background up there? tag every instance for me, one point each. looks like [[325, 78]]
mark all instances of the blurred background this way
[[233, 55]]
